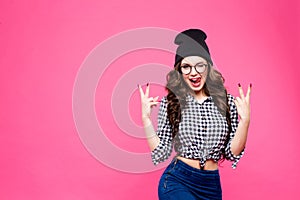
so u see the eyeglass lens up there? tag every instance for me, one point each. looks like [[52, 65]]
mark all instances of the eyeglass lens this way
[[200, 68]]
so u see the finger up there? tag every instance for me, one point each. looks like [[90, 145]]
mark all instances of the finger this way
[[155, 99], [249, 91], [150, 99], [153, 103], [147, 90], [236, 103], [238, 100], [241, 91], [141, 90]]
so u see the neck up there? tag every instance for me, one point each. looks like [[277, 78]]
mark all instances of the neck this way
[[200, 95]]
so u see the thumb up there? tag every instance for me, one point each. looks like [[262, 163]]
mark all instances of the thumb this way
[[155, 98]]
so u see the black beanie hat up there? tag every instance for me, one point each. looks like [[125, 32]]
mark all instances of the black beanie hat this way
[[191, 43]]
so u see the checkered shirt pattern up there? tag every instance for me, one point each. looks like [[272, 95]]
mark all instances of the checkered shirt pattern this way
[[202, 132]]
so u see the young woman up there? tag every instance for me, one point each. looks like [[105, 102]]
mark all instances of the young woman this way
[[199, 119]]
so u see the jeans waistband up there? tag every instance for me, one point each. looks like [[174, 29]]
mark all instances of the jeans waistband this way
[[176, 162]]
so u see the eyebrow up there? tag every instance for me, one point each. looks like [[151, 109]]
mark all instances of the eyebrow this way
[[182, 64]]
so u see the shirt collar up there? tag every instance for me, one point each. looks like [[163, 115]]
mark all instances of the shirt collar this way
[[192, 98]]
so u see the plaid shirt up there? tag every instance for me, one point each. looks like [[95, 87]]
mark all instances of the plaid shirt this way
[[202, 132]]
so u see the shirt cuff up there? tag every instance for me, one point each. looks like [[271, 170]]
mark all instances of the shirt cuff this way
[[230, 156], [161, 153]]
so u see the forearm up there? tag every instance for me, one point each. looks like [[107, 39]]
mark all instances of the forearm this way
[[152, 138], [239, 140]]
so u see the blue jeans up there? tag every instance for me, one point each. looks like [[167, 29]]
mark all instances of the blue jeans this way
[[183, 182]]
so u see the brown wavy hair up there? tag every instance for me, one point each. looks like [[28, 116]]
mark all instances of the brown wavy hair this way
[[178, 89]]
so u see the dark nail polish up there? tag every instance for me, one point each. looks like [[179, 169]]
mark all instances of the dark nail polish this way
[[147, 84], [250, 84], [239, 85], [138, 85]]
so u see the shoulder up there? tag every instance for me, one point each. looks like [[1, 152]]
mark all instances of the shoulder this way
[[164, 100], [231, 99], [163, 103]]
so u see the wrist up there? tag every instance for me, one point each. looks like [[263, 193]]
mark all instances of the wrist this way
[[146, 120], [145, 117], [245, 121]]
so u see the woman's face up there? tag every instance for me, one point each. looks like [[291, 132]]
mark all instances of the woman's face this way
[[197, 66]]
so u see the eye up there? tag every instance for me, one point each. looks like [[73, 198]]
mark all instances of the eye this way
[[200, 65], [185, 66]]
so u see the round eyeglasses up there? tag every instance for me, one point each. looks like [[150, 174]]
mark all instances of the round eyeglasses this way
[[186, 68]]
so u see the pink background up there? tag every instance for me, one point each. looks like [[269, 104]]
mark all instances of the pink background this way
[[43, 44]]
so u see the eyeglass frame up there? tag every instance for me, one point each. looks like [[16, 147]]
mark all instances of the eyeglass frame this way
[[180, 68]]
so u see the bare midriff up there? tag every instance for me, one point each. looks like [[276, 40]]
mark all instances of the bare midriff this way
[[209, 164]]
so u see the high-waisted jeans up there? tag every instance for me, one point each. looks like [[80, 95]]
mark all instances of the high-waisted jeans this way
[[183, 182]]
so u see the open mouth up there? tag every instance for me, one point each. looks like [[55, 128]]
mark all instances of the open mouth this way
[[195, 81]]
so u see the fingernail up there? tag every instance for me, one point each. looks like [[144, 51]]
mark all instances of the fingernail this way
[[138, 85], [239, 85], [250, 84], [147, 84]]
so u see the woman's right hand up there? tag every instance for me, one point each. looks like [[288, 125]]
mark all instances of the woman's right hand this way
[[147, 102]]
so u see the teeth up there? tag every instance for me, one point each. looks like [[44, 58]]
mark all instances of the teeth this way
[[194, 79]]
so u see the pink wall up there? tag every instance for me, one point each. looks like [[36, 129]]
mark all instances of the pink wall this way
[[43, 46]]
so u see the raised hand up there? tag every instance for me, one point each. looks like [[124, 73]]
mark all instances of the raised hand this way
[[147, 102], [243, 103]]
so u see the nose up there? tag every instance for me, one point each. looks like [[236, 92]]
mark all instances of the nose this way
[[193, 71]]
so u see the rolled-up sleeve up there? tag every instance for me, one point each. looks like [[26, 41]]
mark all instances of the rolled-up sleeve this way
[[164, 132], [234, 124]]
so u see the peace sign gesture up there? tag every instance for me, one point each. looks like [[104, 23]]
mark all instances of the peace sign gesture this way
[[243, 103], [147, 102]]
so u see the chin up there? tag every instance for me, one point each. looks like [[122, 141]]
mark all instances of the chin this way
[[196, 89]]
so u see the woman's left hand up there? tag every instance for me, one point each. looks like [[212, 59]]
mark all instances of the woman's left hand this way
[[243, 103]]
